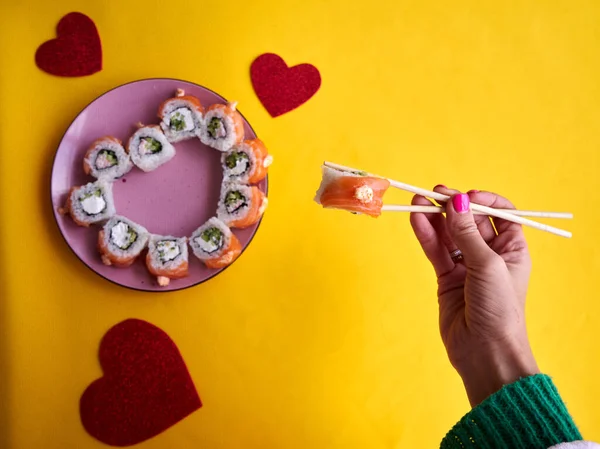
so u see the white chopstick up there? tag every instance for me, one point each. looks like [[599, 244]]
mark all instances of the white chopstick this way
[[439, 210], [475, 207]]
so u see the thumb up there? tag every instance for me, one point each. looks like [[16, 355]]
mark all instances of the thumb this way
[[464, 232]]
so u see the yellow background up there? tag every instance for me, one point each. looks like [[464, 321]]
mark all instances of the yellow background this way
[[335, 344]]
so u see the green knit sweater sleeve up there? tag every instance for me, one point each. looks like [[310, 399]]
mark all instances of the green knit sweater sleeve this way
[[527, 414]]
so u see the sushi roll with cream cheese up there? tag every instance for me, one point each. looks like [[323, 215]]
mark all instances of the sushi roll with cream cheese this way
[[149, 148], [246, 163], [181, 117], [223, 127], [167, 258], [240, 205], [121, 241], [106, 159], [91, 203], [214, 244]]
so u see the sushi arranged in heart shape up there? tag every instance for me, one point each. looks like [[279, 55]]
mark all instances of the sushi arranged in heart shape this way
[[241, 204]]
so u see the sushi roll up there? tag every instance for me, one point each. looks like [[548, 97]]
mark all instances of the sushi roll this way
[[121, 241], [149, 148], [247, 162], [241, 205], [352, 191], [106, 159], [181, 117], [214, 244], [91, 203], [223, 127], [167, 258]]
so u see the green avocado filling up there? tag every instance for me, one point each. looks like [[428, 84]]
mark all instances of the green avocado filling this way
[[131, 237], [177, 122], [97, 193], [234, 201], [153, 145], [110, 156], [360, 173], [212, 235], [213, 126], [232, 160], [233, 197]]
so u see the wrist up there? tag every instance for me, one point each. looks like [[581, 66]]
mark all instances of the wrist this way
[[494, 366]]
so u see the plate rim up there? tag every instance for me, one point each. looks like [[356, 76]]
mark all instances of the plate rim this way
[[55, 212]]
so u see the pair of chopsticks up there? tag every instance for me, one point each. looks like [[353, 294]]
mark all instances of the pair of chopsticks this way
[[516, 216]]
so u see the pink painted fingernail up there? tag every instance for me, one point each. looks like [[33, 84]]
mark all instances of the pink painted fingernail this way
[[440, 185], [473, 191], [461, 203]]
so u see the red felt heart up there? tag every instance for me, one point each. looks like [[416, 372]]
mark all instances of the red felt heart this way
[[281, 88], [76, 51], [146, 386]]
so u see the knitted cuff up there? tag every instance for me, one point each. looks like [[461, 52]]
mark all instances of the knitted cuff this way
[[527, 414]]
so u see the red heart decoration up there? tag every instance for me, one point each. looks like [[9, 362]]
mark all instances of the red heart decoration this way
[[146, 387], [281, 88], [76, 51]]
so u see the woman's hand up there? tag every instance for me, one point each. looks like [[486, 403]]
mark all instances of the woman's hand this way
[[482, 297]]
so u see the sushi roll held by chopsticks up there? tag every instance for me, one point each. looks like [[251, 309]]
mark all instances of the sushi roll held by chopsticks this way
[[351, 191], [90, 204], [223, 127], [181, 117]]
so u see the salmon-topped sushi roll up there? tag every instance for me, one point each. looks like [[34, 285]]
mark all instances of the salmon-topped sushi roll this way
[[167, 258], [149, 148], [223, 127], [181, 117], [214, 244], [351, 191], [121, 241], [241, 205], [246, 163], [106, 159], [90, 204]]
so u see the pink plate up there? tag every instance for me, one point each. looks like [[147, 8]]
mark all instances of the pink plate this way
[[174, 199]]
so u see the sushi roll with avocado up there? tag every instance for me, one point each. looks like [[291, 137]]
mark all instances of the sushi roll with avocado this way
[[223, 127], [167, 258], [214, 244], [121, 241], [181, 117], [106, 159], [240, 205], [247, 162], [149, 148], [91, 203]]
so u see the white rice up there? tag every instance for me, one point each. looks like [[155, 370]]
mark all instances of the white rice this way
[[224, 212], [116, 229], [93, 202], [144, 160], [330, 175], [191, 117], [219, 143], [244, 168], [206, 250], [96, 157], [173, 257]]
